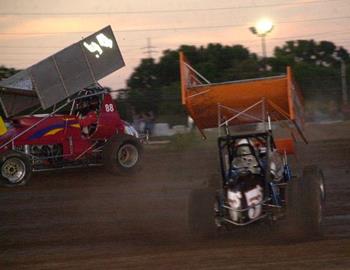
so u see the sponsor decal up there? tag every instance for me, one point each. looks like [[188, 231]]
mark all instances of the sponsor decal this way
[[53, 129]]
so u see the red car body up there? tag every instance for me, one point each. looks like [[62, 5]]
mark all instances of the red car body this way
[[64, 129]]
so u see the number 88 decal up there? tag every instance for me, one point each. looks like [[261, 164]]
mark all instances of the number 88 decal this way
[[109, 107]]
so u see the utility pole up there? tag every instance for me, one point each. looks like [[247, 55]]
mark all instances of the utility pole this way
[[263, 46], [149, 48], [344, 87]]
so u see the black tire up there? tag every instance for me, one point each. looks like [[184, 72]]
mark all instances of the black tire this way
[[201, 213], [122, 155], [305, 204], [293, 228], [313, 198], [15, 169]]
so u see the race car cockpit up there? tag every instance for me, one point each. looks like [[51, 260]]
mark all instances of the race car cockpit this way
[[245, 160], [87, 109], [250, 156]]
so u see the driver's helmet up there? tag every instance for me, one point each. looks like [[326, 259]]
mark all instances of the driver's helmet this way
[[242, 148], [245, 160], [94, 103], [82, 104], [82, 107]]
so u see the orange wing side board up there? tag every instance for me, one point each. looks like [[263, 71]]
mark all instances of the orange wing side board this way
[[203, 99]]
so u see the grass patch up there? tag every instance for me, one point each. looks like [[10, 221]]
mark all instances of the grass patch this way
[[185, 141]]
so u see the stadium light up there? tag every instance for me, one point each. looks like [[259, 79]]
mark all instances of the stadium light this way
[[261, 29]]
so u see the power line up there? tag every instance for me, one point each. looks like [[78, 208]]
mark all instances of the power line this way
[[21, 53], [38, 54], [176, 28], [149, 52], [150, 47], [161, 11], [307, 35], [53, 47]]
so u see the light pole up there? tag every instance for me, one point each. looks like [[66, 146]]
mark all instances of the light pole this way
[[343, 82], [261, 29], [344, 86]]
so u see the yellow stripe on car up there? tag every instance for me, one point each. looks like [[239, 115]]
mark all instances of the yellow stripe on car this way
[[3, 128]]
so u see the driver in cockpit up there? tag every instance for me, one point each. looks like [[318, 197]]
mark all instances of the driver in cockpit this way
[[245, 160], [87, 114]]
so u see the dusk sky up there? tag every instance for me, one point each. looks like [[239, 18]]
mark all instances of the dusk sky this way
[[33, 30]]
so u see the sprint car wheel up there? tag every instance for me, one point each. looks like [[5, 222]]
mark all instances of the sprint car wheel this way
[[306, 199], [201, 212], [122, 155], [16, 169], [313, 198]]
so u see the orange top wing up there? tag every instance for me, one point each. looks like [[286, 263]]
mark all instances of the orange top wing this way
[[278, 95]]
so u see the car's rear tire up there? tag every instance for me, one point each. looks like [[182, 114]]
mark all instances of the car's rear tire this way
[[305, 205], [15, 169], [122, 155], [313, 198]]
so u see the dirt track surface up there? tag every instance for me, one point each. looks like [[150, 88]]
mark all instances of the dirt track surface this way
[[87, 219]]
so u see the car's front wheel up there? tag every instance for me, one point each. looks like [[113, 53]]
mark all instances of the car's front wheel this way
[[122, 155]]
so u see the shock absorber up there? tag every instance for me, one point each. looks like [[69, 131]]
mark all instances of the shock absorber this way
[[27, 149], [276, 198], [287, 173]]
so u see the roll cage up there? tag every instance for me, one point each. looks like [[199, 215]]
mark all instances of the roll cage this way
[[227, 153]]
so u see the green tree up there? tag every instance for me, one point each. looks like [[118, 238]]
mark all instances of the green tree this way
[[316, 66], [7, 72], [144, 87], [321, 54]]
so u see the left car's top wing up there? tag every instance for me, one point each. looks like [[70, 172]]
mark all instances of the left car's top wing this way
[[64, 73]]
